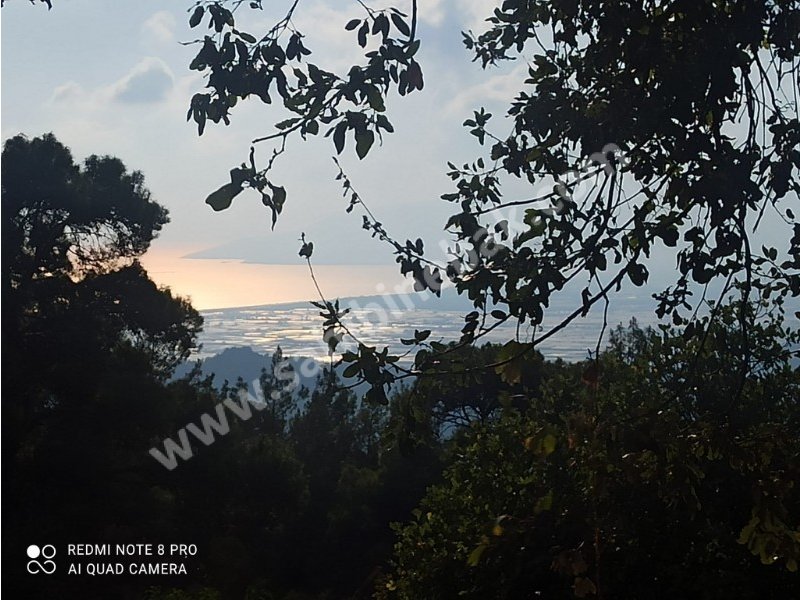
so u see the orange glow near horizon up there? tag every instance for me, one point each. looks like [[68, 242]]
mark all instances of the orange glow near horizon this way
[[213, 283]]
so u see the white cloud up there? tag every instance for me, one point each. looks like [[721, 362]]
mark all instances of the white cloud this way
[[68, 92], [160, 26], [149, 81], [431, 12], [467, 14], [494, 89], [333, 48], [475, 12]]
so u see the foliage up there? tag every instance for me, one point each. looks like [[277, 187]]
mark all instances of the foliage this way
[[88, 340], [436, 406], [49, 3], [67, 220], [661, 474], [71, 239], [240, 65]]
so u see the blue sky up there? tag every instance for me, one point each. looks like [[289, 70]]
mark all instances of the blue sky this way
[[112, 78]]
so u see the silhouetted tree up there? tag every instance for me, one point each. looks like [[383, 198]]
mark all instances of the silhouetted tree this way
[[88, 340]]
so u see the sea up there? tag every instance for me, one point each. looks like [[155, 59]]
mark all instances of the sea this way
[[382, 321]]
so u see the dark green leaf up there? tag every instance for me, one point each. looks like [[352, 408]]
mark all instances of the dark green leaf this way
[[401, 25], [247, 37], [306, 249], [362, 34], [196, 17], [364, 142], [338, 136], [351, 371], [223, 197]]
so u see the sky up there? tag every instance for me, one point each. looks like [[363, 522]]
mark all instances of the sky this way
[[112, 78]]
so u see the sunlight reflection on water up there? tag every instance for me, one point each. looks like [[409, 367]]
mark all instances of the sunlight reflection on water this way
[[297, 329]]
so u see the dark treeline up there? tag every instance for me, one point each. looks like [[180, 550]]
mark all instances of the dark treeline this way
[[659, 469]]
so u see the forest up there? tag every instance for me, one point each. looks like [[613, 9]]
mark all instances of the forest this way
[[664, 465]]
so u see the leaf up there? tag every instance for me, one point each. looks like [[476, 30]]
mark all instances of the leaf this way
[[338, 136], [223, 197], [414, 74], [196, 17], [638, 274], [401, 25], [364, 142], [240, 175], [512, 359], [307, 249], [670, 236], [278, 196], [275, 203], [247, 37], [383, 123], [352, 24], [376, 396], [286, 123], [548, 444], [421, 336], [362, 34], [351, 371], [475, 556], [381, 25], [376, 100], [542, 445]]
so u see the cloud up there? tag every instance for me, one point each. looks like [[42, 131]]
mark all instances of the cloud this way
[[497, 89], [466, 14], [431, 12], [161, 26], [149, 81], [68, 92], [334, 48], [475, 13]]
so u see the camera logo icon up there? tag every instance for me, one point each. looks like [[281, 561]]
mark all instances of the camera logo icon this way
[[41, 559]]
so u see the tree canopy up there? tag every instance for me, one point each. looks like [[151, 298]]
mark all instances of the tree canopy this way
[[71, 239], [649, 485], [68, 220]]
